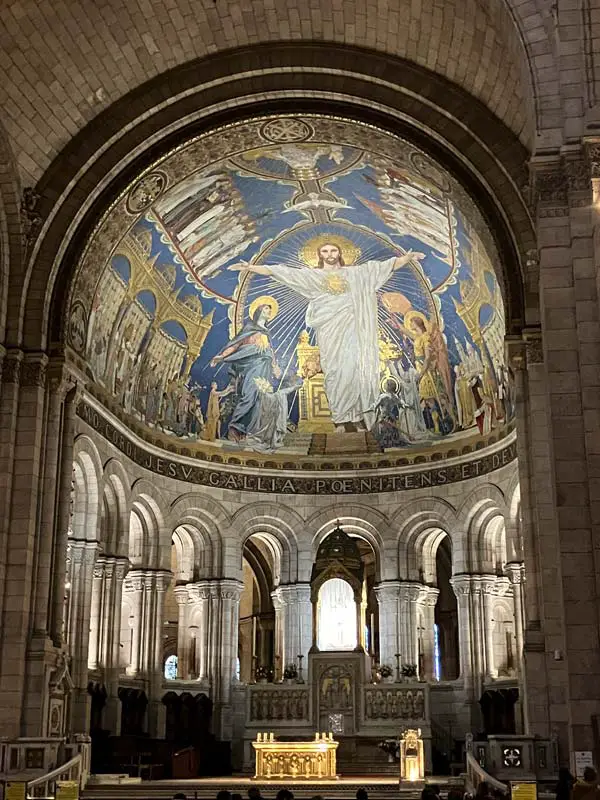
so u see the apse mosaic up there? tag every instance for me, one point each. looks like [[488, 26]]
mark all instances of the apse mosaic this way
[[293, 285]]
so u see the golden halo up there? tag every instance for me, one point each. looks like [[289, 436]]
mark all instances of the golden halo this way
[[385, 380], [412, 315], [309, 251], [264, 300]]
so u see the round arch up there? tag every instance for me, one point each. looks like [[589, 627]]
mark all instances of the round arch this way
[[278, 526], [423, 104]]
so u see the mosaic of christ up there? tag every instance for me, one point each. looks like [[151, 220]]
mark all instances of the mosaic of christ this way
[[296, 296]]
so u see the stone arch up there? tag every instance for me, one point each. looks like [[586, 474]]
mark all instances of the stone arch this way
[[422, 526], [368, 523], [540, 68], [147, 527], [486, 494], [116, 508], [87, 480], [334, 79], [514, 531], [497, 37], [185, 552], [11, 231], [483, 514], [277, 526], [203, 520]]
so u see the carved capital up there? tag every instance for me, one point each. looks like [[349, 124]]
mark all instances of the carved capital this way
[[515, 570], [429, 596], [550, 189], [11, 366], [163, 580], [133, 583], [579, 180], [462, 585], [515, 352], [33, 371], [387, 592], [231, 589], [182, 595], [592, 154], [533, 346], [60, 379]]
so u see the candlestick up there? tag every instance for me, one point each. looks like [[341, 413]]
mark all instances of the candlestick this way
[[300, 676]]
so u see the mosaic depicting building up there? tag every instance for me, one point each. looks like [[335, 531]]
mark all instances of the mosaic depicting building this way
[[300, 375]]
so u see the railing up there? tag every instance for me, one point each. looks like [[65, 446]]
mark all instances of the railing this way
[[45, 785], [476, 774]]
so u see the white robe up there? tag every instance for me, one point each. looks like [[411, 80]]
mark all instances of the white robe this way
[[344, 318]]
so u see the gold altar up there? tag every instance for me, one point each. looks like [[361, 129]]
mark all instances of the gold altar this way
[[312, 760]]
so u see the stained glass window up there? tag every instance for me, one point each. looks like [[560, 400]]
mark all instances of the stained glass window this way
[[171, 668]]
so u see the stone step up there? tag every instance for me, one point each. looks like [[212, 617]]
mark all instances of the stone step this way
[[384, 787]]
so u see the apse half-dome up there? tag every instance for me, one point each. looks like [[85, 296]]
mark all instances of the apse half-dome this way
[[308, 288]]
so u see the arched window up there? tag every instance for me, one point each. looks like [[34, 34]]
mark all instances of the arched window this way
[[171, 668], [336, 624]]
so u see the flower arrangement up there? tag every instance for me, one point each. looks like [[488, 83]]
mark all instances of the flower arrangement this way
[[290, 672], [262, 673], [385, 671], [409, 670], [391, 747]]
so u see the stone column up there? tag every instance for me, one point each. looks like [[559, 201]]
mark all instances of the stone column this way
[[389, 622], [95, 614], [488, 586], [516, 575], [24, 545], [410, 593], [203, 639], [182, 596], [295, 617], [462, 589], [82, 557], [279, 599], [134, 587], [156, 709], [562, 662], [111, 654], [225, 614], [426, 608]]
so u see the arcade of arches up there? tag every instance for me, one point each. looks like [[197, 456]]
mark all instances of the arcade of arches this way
[[299, 402]]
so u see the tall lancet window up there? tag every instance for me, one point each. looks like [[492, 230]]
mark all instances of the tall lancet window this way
[[336, 624]]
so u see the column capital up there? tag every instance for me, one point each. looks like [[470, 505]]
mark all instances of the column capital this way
[[591, 145], [230, 589], [515, 571], [182, 594], [461, 584], [387, 591], [60, 378], [429, 596], [411, 591], [163, 579], [33, 370], [292, 592], [11, 366], [82, 551]]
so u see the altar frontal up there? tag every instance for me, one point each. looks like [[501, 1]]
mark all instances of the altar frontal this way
[[313, 760]]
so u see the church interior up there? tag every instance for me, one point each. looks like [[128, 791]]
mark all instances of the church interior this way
[[299, 396]]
